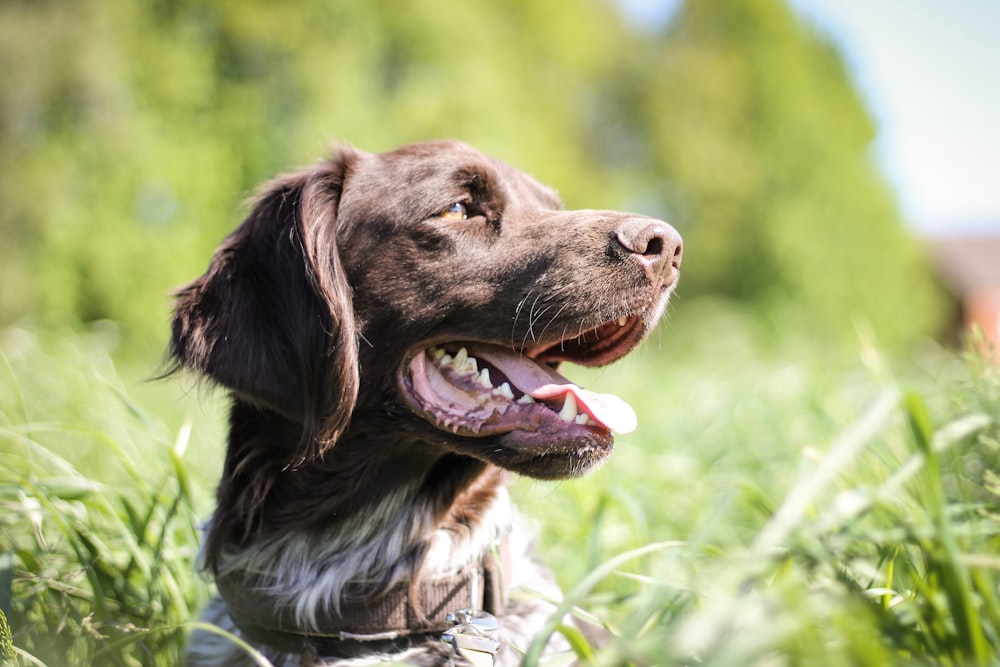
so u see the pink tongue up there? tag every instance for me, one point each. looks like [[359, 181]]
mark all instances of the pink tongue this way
[[610, 411], [543, 383]]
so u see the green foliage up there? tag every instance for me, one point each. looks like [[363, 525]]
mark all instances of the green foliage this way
[[755, 125], [6, 643], [777, 512], [99, 510], [132, 131]]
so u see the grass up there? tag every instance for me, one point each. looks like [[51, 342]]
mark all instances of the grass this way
[[100, 514], [772, 509]]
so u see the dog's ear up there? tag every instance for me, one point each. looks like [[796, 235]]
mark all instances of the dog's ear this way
[[272, 318]]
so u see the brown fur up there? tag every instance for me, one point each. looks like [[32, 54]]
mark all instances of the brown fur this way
[[311, 309]]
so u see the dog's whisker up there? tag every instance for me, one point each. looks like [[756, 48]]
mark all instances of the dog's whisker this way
[[533, 316], [528, 330], [553, 318], [537, 318], [513, 329]]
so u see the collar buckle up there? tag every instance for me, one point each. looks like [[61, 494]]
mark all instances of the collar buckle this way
[[469, 638], [468, 642]]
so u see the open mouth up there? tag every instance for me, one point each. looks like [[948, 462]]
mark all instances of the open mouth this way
[[475, 389]]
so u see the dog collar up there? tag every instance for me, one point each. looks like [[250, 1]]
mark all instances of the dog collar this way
[[388, 623]]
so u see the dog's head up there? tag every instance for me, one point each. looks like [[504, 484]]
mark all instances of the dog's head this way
[[432, 291]]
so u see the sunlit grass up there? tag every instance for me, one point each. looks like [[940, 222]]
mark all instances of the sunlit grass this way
[[810, 510], [772, 509], [100, 517]]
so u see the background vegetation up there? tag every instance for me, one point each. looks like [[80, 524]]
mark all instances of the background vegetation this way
[[133, 131], [813, 479]]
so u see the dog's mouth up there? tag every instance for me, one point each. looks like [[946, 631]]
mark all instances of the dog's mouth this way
[[477, 390]]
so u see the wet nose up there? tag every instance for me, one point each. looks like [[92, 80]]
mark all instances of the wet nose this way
[[653, 244]]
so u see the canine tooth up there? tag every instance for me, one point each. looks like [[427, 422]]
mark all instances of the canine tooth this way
[[460, 357], [583, 419], [568, 412], [505, 391], [526, 400], [622, 321], [484, 378]]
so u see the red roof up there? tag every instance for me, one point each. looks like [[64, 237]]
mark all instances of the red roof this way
[[968, 263]]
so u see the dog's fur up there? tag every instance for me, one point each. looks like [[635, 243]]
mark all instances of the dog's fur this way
[[340, 476]]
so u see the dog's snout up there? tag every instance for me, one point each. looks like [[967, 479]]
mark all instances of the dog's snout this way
[[652, 243]]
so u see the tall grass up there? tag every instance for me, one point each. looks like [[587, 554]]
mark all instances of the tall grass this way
[[800, 516], [771, 510], [99, 520]]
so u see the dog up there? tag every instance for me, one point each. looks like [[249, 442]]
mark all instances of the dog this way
[[390, 328]]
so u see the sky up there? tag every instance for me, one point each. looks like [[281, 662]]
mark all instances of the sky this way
[[929, 72]]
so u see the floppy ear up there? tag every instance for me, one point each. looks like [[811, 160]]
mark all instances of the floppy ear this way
[[272, 318]]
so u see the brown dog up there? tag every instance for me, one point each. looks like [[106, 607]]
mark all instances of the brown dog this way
[[389, 327]]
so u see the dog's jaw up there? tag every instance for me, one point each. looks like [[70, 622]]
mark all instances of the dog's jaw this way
[[510, 407]]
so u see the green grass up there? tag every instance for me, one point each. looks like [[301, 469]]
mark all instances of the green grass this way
[[774, 508], [99, 512]]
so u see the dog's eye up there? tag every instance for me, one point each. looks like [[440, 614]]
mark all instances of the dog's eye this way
[[456, 211]]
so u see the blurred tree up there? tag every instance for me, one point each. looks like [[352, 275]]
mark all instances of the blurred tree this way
[[763, 146], [130, 133]]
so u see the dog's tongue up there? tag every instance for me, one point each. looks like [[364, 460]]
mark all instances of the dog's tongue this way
[[610, 411], [543, 383]]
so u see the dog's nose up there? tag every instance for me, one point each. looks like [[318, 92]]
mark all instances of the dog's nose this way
[[654, 244]]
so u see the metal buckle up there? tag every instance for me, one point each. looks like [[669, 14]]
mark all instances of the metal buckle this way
[[468, 639], [469, 642]]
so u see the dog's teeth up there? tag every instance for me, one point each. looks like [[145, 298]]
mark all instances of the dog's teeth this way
[[446, 360], [526, 400], [484, 378], [622, 321], [463, 363], [568, 412], [583, 419], [505, 391], [436, 353]]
